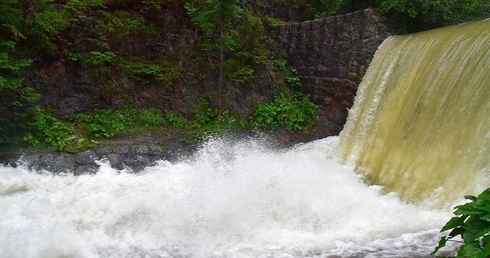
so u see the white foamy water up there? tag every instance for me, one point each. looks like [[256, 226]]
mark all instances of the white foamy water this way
[[232, 199]]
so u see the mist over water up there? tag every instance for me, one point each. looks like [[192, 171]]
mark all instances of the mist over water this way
[[231, 199]]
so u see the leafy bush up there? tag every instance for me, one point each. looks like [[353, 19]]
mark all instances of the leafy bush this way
[[285, 111], [106, 123], [46, 129], [294, 80], [153, 73], [178, 122], [75, 57], [281, 64], [150, 118], [472, 224], [97, 58]]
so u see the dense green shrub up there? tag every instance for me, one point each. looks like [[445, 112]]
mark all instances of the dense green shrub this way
[[291, 112], [472, 224], [106, 123], [47, 130], [150, 118], [178, 122]]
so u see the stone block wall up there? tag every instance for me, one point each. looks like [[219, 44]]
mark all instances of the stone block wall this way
[[331, 56]]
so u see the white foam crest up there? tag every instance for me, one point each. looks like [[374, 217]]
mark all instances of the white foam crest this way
[[237, 199]]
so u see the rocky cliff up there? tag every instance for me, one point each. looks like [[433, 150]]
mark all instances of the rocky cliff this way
[[330, 55]]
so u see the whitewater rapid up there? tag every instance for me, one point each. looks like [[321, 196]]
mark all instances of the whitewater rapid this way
[[230, 199]]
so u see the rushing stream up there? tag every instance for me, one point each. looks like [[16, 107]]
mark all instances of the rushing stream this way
[[232, 199]]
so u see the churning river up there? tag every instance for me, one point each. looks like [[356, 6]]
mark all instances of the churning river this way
[[231, 199]]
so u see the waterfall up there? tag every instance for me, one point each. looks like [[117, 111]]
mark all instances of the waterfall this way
[[420, 124]]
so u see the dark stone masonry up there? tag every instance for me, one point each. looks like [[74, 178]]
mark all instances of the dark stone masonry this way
[[331, 56]]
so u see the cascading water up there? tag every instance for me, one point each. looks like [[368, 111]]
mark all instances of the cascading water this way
[[231, 200], [236, 198], [420, 125]]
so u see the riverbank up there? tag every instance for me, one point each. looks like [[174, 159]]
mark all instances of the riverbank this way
[[135, 152]]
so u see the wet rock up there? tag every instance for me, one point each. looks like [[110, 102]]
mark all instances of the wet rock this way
[[86, 169], [140, 149], [103, 150], [87, 157], [123, 149], [137, 162], [156, 150], [64, 162], [115, 160]]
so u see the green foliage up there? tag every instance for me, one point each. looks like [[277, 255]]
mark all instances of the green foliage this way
[[213, 16], [178, 122], [9, 66], [16, 99], [150, 118], [272, 21], [280, 64], [316, 9], [426, 14], [39, 22], [418, 15], [207, 117], [117, 26], [75, 57], [291, 112], [101, 61], [247, 53], [46, 129], [294, 80], [153, 73], [291, 74], [78, 9], [106, 123], [97, 58], [472, 224]]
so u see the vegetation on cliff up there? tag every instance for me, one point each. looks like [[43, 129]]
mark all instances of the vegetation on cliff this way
[[178, 63]]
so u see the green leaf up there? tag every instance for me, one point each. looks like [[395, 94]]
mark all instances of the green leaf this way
[[470, 250], [452, 223], [468, 209], [441, 244], [474, 229], [486, 216]]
